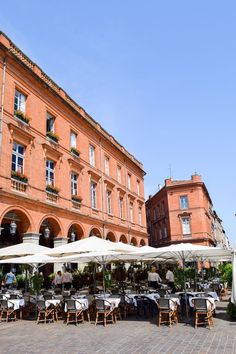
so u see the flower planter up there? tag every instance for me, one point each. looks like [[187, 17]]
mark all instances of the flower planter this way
[[19, 177], [75, 152], [53, 137], [53, 190], [22, 117]]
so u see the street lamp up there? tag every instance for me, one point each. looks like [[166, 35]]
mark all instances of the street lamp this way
[[46, 232], [72, 235], [13, 228]]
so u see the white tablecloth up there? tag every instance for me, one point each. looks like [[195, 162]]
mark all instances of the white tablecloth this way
[[17, 303], [78, 304], [210, 303], [130, 298], [53, 302]]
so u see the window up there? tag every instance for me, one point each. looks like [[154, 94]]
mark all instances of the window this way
[[164, 231], [131, 212], [129, 181], [74, 183], [106, 165], [119, 174], [50, 167], [186, 225], [140, 216], [18, 152], [138, 187], [121, 207], [154, 214], [73, 138], [92, 155], [93, 187], [19, 101], [108, 197], [183, 202], [50, 123]]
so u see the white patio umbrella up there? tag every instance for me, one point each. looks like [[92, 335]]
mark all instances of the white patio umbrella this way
[[185, 252], [21, 249], [89, 244], [31, 259]]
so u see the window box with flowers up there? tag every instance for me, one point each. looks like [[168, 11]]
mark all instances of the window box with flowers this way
[[52, 189], [75, 152], [22, 117], [52, 136], [19, 177], [76, 199]]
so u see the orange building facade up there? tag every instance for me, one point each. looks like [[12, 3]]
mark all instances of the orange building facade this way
[[62, 176], [182, 211]]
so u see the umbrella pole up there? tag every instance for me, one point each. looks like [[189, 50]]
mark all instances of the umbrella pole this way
[[185, 290], [103, 278]]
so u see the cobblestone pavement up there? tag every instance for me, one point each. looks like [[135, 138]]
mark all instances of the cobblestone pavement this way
[[129, 336]]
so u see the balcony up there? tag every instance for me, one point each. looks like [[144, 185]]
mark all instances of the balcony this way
[[52, 194], [51, 197], [18, 186], [76, 201]]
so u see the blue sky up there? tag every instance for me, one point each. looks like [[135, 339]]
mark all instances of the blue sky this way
[[158, 75]]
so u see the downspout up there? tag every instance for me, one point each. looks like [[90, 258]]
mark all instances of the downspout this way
[[127, 202], [2, 102], [102, 186]]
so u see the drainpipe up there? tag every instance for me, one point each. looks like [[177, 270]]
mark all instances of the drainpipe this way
[[2, 102], [102, 185]]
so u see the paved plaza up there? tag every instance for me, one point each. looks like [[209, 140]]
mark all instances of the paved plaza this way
[[127, 336]]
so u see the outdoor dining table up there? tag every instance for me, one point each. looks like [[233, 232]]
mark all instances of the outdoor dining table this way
[[130, 298], [114, 301], [78, 303], [52, 302], [210, 303]]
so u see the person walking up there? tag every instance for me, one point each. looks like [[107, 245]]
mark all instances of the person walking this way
[[170, 279], [10, 280], [57, 281], [67, 279]]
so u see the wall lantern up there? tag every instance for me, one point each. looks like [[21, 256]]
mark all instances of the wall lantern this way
[[13, 228]]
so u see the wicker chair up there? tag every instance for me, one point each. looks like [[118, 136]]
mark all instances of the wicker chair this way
[[75, 311], [203, 312], [167, 309], [44, 313], [103, 310], [7, 311]]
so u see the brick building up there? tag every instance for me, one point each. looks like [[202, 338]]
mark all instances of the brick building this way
[[62, 176], [182, 211]]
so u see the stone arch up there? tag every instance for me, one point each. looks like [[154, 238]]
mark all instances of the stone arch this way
[[23, 222], [54, 225], [123, 239], [22, 213], [95, 232], [133, 241], [111, 236], [78, 230], [142, 242]]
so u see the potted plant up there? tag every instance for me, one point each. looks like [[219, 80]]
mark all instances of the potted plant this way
[[74, 151], [52, 136], [21, 115], [52, 189], [19, 176], [76, 198]]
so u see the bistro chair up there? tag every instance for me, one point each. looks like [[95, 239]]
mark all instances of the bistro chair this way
[[7, 311], [167, 311], [75, 311], [44, 313], [103, 310], [126, 304], [203, 312]]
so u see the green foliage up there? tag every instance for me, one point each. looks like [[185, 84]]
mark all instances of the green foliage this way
[[226, 273], [36, 283], [231, 311], [179, 276]]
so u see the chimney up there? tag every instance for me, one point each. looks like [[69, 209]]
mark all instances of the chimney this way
[[196, 177]]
